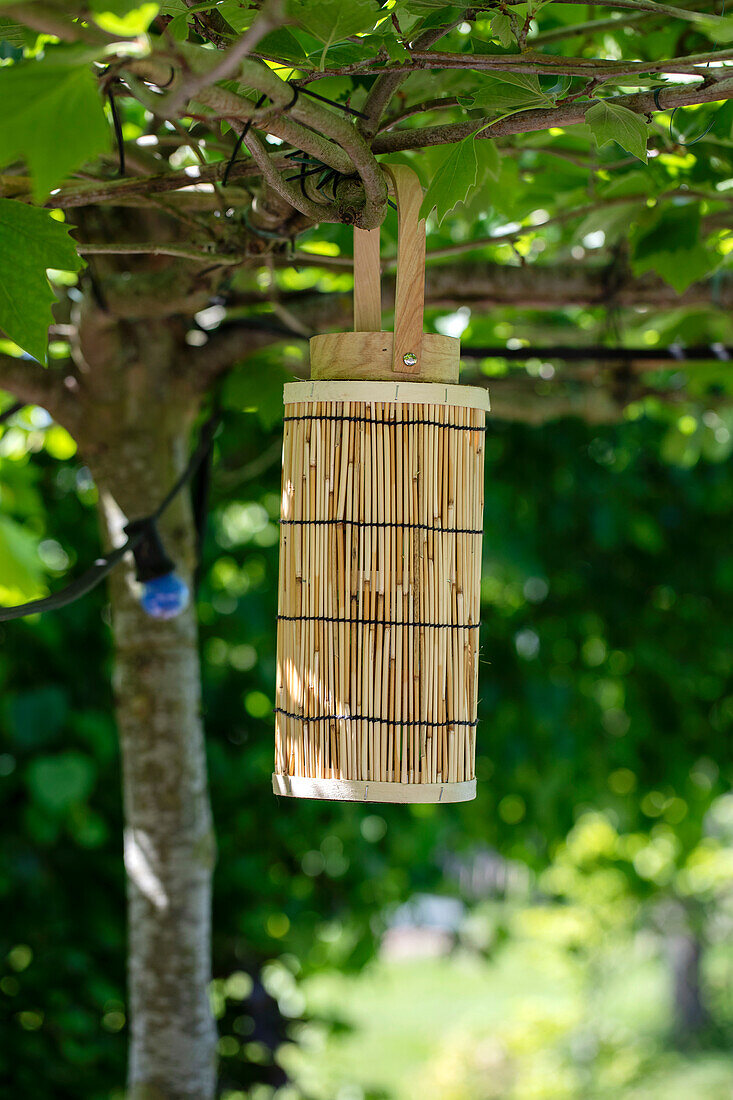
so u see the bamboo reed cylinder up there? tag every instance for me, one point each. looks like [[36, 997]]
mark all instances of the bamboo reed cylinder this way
[[380, 558]]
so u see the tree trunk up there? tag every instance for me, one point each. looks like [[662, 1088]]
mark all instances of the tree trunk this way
[[690, 1014], [137, 442]]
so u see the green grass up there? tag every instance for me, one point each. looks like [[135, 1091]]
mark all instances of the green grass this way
[[537, 1021]]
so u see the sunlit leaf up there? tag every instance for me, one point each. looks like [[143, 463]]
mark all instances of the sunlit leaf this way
[[453, 180], [21, 571], [52, 118], [31, 241], [332, 21], [611, 122], [510, 92], [501, 28], [124, 17]]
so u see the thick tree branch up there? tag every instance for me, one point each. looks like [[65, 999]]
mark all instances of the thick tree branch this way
[[52, 388], [313, 115], [47, 20], [690, 16], [483, 285], [571, 114], [225, 348], [271, 16], [386, 85], [222, 103], [292, 195], [594, 68], [536, 286]]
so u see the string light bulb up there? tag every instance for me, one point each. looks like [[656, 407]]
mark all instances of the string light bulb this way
[[165, 597], [164, 593]]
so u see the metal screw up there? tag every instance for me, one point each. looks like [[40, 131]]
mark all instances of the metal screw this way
[[409, 359]]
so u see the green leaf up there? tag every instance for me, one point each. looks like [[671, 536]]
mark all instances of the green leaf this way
[[674, 229], [37, 718], [52, 118], [510, 92], [332, 21], [610, 122], [283, 45], [237, 15], [635, 182], [21, 575], [127, 18], [612, 220], [14, 36], [58, 782], [488, 159], [453, 181], [671, 247], [256, 386], [501, 29], [719, 29], [31, 241]]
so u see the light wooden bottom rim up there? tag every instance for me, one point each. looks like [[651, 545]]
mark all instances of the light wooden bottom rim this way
[[354, 790]]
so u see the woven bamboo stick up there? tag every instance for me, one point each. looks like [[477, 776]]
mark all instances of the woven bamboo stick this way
[[379, 591]]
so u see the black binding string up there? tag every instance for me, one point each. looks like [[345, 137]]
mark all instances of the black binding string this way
[[374, 719], [11, 411], [296, 90], [381, 523], [341, 106], [678, 141], [238, 143], [390, 423], [376, 622]]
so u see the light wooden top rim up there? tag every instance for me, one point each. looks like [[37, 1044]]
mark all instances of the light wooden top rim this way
[[396, 393]]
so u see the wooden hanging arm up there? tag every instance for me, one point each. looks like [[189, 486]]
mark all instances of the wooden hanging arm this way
[[410, 295], [410, 292], [367, 281], [369, 353]]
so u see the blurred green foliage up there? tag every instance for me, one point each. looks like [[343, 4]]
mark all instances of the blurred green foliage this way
[[606, 700], [605, 711]]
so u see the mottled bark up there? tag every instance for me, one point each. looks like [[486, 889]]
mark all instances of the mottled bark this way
[[136, 441]]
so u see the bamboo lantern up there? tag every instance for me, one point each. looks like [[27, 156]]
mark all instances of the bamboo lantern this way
[[380, 551]]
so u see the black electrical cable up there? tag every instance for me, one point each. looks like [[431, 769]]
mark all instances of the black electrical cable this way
[[139, 530], [238, 143], [11, 411], [117, 124], [573, 353]]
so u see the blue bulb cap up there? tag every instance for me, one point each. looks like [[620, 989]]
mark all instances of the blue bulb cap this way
[[165, 597]]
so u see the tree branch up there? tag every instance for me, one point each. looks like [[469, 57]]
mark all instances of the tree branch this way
[[385, 86], [47, 20], [650, 6], [597, 69], [293, 195], [153, 248], [225, 104], [271, 16], [318, 118], [52, 388], [571, 114], [483, 285], [225, 348]]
